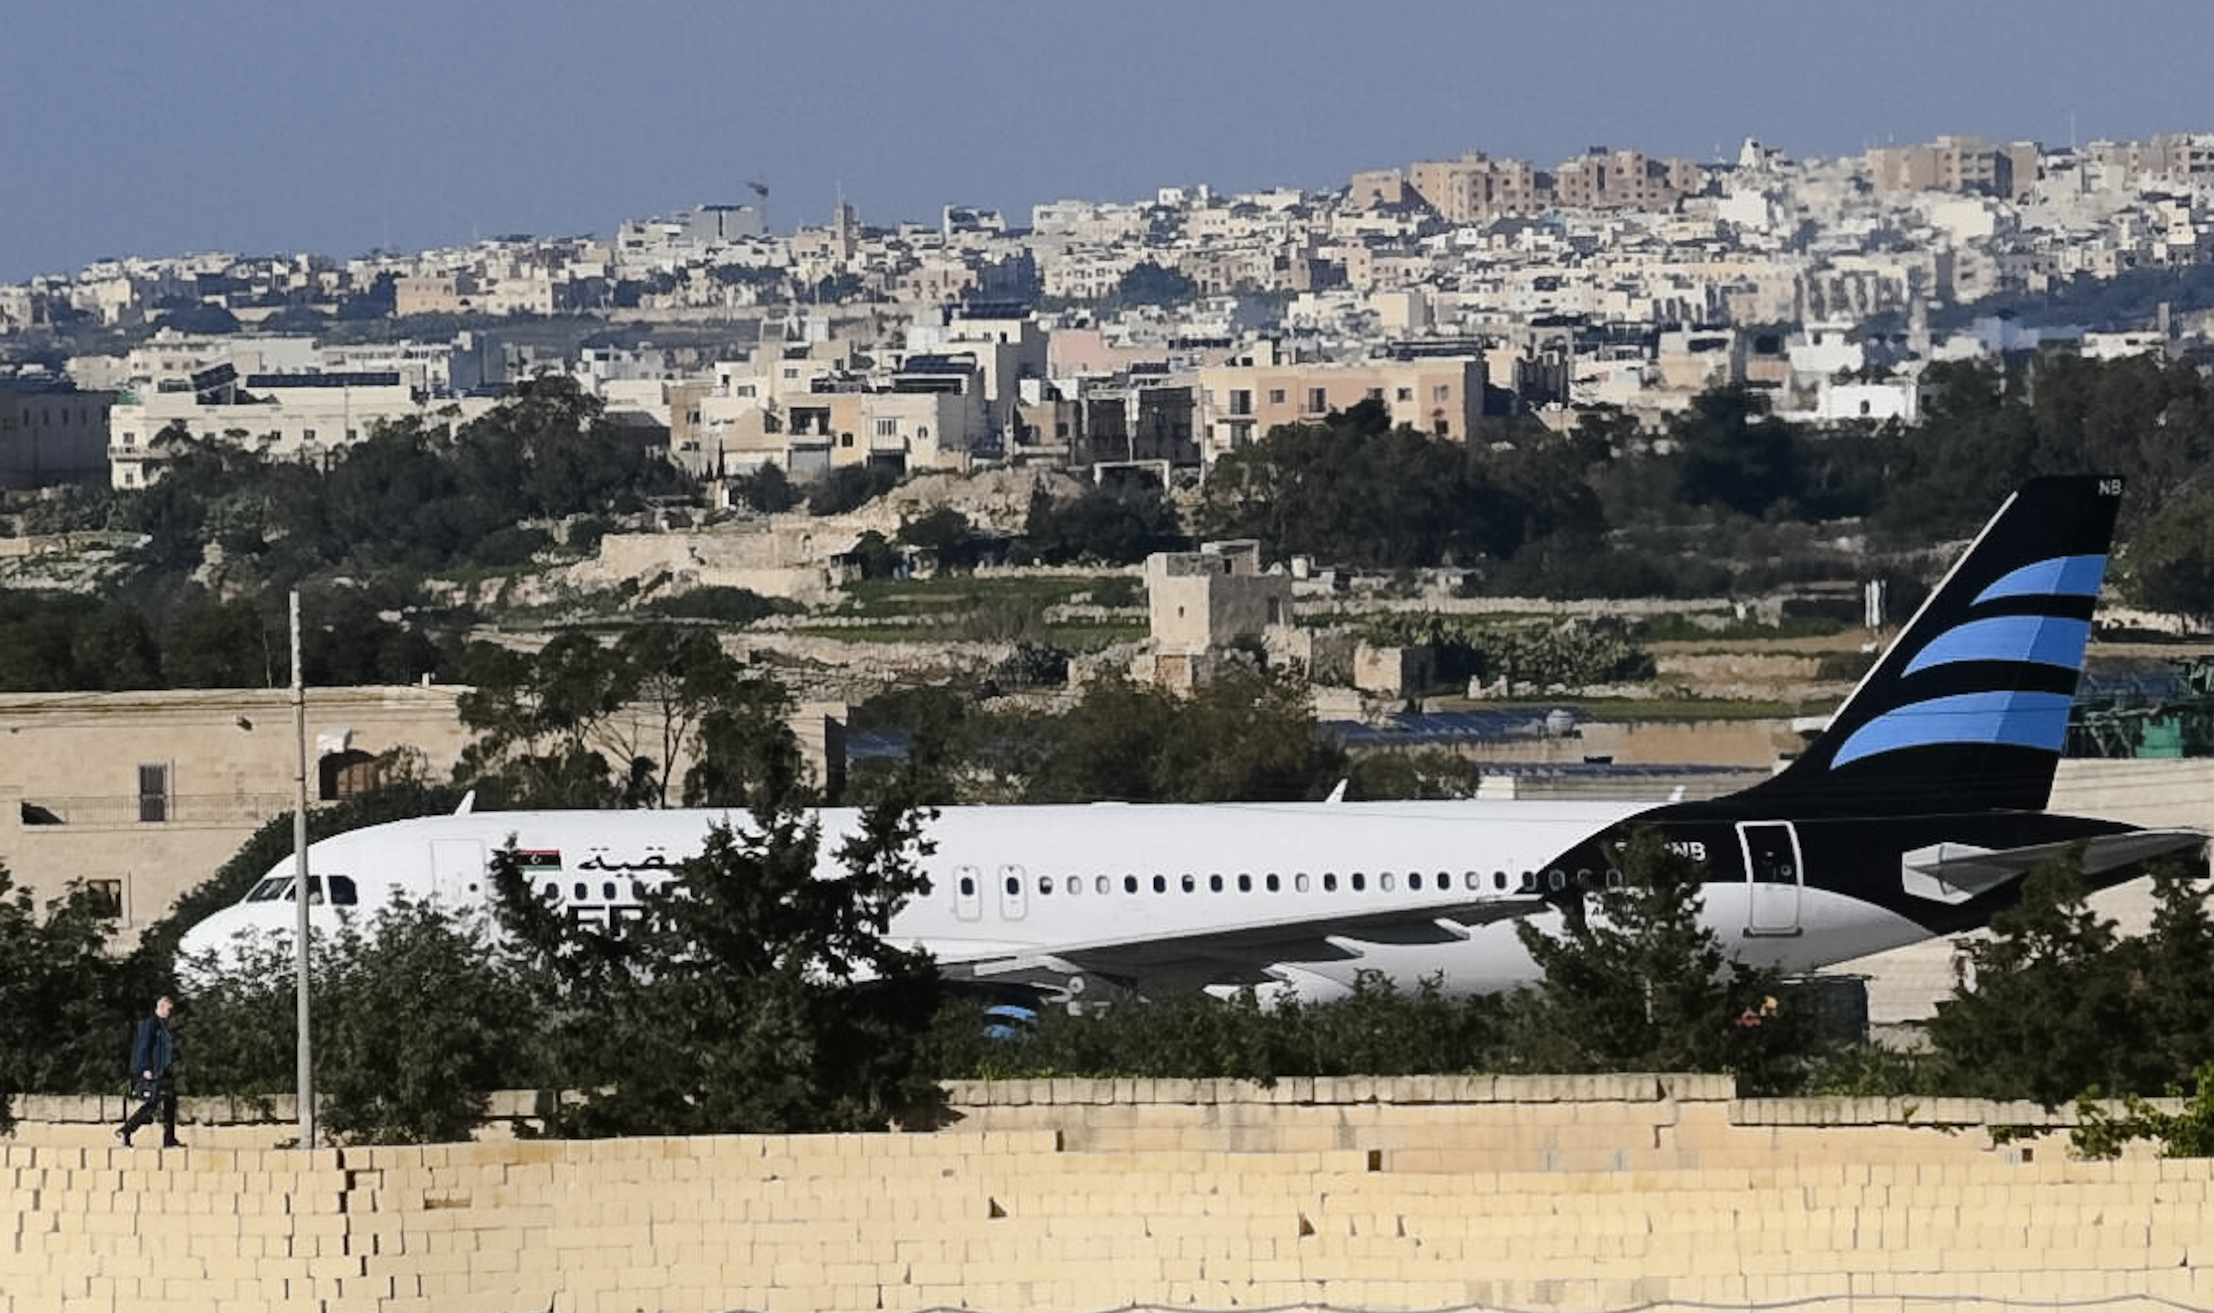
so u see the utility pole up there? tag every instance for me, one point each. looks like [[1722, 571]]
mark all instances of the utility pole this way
[[300, 888]]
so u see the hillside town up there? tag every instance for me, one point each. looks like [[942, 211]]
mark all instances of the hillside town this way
[[1165, 331]]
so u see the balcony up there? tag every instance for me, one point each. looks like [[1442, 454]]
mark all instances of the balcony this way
[[120, 810]]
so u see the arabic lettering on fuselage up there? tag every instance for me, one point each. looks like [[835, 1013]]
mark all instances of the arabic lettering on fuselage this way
[[657, 862]]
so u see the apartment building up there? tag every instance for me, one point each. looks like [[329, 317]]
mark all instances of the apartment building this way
[[283, 416], [1476, 187], [1957, 163], [52, 433], [1240, 403]]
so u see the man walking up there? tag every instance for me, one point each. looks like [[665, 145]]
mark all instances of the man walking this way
[[153, 1078]]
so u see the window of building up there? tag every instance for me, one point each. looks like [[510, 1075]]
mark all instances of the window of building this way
[[887, 428], [307, 435], [1318, 400], [1404, 394], [107, 896], [1442, 392], [845, 439], [1375, 394], [1276, 396], [1241, 401], [153, 791]]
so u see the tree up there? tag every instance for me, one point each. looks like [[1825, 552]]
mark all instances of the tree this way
[[2177, 968], [767, 490], [849, 487], [1119, 523], [1247, 735], [417, 1020], [1356, 491], [603, 724], [2170, 564], [1731, 454], [1148, 283], [757, 994], [1635, 982], [64, 1020], [2057, 1004]]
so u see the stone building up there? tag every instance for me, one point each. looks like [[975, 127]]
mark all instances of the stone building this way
[[143, 795]]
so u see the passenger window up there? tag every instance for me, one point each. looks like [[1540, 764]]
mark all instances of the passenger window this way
[[1386, 883], [1102, 885], [1273, 883], [607, 891], [1075, 884], [968, 886], [579, 891], [342, 891], [1360, 882], [1299, 882], [1214, 884], [1189, 883], [1329, 882], [1130, 884], [1245, 884], [1045, 884], [1014, 884], [1160, 884], [1614, 878], [1414, 880], [1556, 880], [553, 891], [1529, 882], [1498, 879]]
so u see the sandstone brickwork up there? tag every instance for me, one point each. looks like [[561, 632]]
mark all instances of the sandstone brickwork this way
[[1594, 1193]]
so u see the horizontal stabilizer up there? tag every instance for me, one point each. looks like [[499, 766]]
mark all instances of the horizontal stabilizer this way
[[1957, 872]]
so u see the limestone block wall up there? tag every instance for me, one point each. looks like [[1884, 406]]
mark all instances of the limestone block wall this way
[[1648, 1191]]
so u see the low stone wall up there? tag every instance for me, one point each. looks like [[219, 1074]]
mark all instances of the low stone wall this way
[[1600, 1193]]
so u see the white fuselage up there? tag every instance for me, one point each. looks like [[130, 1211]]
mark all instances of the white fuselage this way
[[1025, 895]]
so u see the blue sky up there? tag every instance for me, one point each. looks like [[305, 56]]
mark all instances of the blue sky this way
[[129, 127]]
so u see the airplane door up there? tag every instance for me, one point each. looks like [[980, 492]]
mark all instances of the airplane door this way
[[968, 901], [1773, 877], [1014, 899], [457, 871]]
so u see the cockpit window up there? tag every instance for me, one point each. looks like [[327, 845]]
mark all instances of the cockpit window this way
[[270, 888]]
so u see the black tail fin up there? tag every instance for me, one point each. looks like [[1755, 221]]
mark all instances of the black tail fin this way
[[1968, 709]]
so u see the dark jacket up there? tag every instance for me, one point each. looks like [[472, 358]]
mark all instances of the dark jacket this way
[[153, 1050]]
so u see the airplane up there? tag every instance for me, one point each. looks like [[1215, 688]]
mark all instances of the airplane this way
[[1916, 813]]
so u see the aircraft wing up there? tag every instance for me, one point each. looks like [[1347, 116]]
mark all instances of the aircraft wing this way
[[1243, 954], [1957, 872]]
